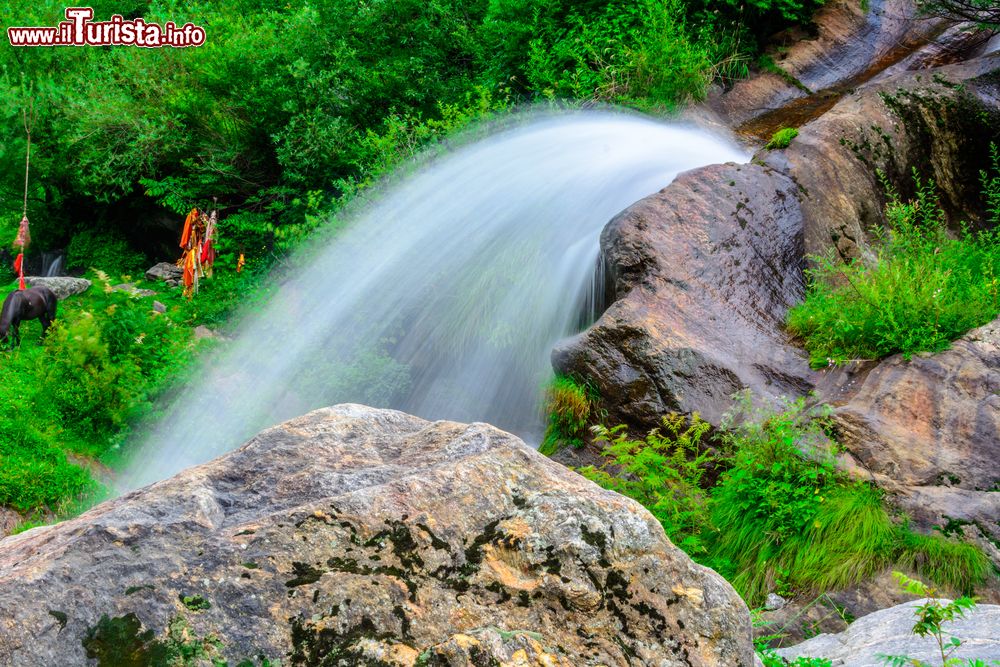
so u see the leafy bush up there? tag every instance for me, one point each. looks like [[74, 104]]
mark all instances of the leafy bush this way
[[569, 406], [665, 473], [109, 251], [782, 138], [781, 516], [105, 359], [922, 290]]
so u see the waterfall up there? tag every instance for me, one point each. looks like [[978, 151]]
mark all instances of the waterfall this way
[[443, 295]]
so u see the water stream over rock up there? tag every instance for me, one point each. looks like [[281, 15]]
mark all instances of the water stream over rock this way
[[442, 296]]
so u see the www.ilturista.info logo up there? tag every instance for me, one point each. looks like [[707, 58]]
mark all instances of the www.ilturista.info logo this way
[[79, 30]]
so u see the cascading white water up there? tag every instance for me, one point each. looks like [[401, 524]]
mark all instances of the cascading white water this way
[[444, 296]]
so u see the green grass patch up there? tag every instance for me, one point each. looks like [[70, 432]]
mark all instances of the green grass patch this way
[[921, 290], [764, 504], [782, 138], [569, 405]]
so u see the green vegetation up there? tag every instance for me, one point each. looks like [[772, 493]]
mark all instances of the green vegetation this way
[[666, 473], [782, 138], [570, 406], [770, 658], [75, 398], [922, 289], [931, 617], [288, 107], [762, 502]]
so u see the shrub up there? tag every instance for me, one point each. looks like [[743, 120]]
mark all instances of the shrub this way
[[569, 405], [107, 251], [664, 472], [782, 138], [781, 516], [104, 360], [922, 290]]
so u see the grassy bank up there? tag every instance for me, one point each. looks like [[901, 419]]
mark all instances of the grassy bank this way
[[762, 502]]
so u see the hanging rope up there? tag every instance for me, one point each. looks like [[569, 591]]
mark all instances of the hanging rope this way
[[23, 235], [28, 118]]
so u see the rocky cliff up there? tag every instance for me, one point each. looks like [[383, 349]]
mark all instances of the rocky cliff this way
[[355, 536]]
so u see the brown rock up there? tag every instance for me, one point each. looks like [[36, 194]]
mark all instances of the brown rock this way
[[933, 419], [703, 272], [938, 121], [850, 45], [353, 535]]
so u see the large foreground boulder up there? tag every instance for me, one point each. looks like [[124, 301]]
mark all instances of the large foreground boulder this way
[[355, 536], [890, 632]]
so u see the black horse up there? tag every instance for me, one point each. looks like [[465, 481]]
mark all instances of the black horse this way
[[35, 303]]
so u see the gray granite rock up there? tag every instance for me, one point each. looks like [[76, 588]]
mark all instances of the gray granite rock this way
[[889, 632], [61, 286], [356, 536]]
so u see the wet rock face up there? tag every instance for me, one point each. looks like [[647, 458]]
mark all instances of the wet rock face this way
[[359, 536], [928, 429], [938, 121], [850, 44], [704, 272]]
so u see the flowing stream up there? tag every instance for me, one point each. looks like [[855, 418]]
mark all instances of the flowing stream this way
[[443, 295]]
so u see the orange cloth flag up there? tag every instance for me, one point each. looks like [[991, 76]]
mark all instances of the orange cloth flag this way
[[188, 222], [189, 269]]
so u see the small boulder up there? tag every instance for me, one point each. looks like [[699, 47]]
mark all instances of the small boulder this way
[[774, 602], [61, 286], [132, 289], [201, 331], [890, 632], [159, 307], [167, 272]]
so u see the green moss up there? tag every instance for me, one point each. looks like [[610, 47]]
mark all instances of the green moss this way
[[304, 574], [194, 602], [60, 617], [782, 138], [122, 642], [135, 589]]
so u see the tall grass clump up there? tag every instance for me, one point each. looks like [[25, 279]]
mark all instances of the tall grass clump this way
[[922, 290], [763, 502], [569, 405]]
